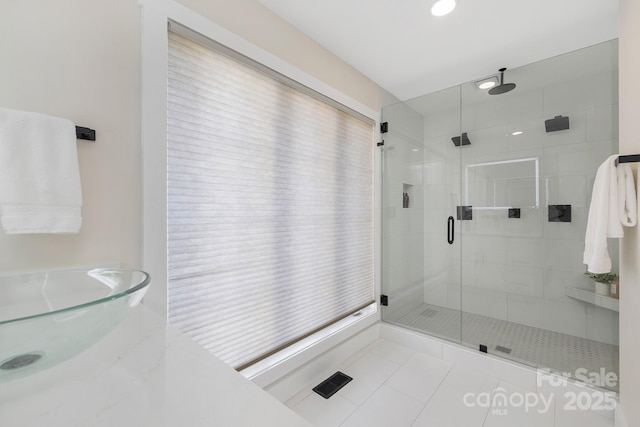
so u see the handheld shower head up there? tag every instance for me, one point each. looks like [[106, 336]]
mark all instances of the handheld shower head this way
[[502, 87]]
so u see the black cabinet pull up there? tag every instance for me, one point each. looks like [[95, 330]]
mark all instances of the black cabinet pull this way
[[450, 230]]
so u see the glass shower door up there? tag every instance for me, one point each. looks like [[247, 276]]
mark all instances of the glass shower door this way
[[512, 174], [421, 190], [501, 188]]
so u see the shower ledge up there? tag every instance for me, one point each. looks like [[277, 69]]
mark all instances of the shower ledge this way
[[591, 297]]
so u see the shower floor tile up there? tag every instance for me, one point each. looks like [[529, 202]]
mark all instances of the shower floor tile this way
[[525, 344]]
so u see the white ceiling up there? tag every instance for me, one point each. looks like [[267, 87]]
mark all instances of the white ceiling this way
[[402, 47]]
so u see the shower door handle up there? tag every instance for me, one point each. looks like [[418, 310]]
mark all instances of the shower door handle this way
[[450, 230]]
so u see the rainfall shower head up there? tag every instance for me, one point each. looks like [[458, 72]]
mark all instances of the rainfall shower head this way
[[502, 87]]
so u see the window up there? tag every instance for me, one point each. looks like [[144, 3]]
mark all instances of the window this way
[[270, 205]]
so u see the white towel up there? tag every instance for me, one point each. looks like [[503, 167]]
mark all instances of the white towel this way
[[39, 175], [613, 204], [627, 200]]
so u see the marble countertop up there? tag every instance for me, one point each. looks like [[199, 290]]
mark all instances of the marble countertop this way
[[144, 373]]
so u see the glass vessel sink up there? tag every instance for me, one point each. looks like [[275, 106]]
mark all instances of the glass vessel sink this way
[[49, 317]]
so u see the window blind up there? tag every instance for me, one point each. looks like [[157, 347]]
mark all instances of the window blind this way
[[270, 206]]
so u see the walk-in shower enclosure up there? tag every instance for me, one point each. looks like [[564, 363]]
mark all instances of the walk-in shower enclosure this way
[[485, 210]]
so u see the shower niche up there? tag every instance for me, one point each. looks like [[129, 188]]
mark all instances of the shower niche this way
[[503, 184], [520, 193], [407, 195]]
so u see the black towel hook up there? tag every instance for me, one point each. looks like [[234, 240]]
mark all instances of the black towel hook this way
[[85, 133]]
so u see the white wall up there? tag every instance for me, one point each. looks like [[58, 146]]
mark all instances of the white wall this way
[[630, 245], [80, 60]]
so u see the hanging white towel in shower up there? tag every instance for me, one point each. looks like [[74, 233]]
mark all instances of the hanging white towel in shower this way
[[613, 204], [627, 198], [39, 175]]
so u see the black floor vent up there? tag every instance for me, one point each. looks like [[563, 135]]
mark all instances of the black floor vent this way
[[331, 385]]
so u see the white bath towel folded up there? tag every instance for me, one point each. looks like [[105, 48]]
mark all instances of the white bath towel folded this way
[[39, 175], [613, 204]]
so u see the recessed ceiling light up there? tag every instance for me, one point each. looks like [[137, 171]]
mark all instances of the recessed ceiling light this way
[[518, 132], [443, 7], [487, 83], [415, 149]]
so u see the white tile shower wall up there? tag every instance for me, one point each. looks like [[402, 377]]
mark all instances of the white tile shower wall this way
[[582, 93], [525, 281], [555, 282], [602, 325], [518, 269], [503, 110], [567, 159], [567, 189], [485, 302], [436, 292], [602, 123], [525, 251], [566, 318]]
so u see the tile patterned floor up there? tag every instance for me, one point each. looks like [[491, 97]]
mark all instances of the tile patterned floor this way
[[394, 385], [528, 345]]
